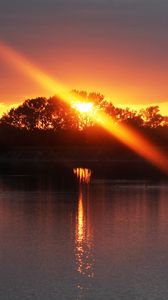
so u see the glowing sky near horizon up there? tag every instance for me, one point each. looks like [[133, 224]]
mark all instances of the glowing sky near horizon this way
[[117, 47]]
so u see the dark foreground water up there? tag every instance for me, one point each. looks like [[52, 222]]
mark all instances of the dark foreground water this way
[[105, 240]]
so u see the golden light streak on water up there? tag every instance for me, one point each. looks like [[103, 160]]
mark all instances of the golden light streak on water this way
[[84, 241], [80, 220], [83, 174], [131, 138]]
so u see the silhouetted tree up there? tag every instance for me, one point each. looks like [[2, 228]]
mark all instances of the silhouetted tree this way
[[42, 113], [54, 114], [152, 117]]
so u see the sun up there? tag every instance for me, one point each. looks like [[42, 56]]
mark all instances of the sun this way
[[83, 107]]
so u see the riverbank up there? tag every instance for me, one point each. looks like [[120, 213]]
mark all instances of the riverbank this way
[[104, 162]]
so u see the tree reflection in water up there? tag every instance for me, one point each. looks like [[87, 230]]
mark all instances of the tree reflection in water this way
[[83, 235]]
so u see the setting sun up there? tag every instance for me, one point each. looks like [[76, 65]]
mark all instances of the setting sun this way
[[83, 107]]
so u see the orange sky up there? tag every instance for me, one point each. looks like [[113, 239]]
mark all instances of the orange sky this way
[[116, 49], [134, 87]]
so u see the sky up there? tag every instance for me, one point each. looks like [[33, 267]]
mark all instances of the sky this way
[[115, 47]]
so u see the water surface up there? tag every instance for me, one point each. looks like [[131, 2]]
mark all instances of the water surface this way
[[99, 240]]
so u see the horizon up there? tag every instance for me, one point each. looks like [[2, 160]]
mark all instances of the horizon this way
[[163, 106]]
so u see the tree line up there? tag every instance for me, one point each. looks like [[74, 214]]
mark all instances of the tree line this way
[[51, 120]]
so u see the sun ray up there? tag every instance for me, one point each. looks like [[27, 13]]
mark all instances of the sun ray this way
[[19, 62], [132, 138]]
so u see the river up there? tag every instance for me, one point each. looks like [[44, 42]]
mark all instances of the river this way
[[92, 239]]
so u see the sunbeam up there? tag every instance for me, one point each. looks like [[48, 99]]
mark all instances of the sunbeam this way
[[130, 137]]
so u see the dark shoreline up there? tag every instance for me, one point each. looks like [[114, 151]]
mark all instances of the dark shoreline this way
[[60, 161]]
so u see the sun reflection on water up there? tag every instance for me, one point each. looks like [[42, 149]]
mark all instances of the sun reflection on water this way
[[83, 235], [83, 174]]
